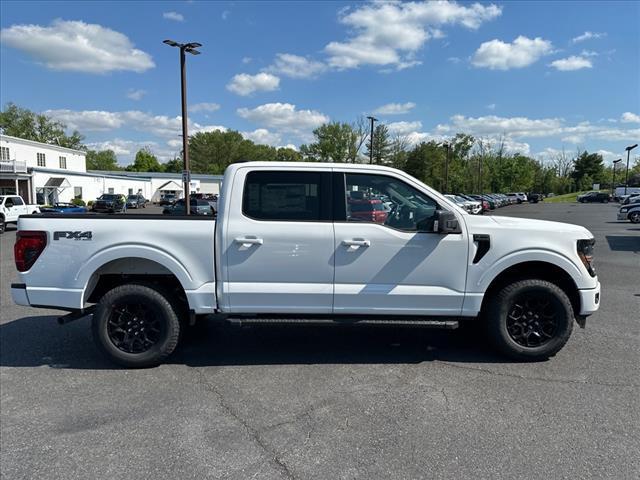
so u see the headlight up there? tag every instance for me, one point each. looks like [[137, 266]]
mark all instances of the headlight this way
[[585, 252], [624, 210]]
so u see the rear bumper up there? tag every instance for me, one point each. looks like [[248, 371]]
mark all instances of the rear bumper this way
[[19, 294], [589, 300]]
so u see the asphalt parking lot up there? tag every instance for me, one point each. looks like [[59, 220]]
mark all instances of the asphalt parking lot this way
[[325, 403]]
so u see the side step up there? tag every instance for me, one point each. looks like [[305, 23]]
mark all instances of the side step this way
[[448, 324]]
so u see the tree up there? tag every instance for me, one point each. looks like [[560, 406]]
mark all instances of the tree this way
[[145, 161], [173, 166], [381, 145], [104, 160], [588, 168], [334, 143], [286, 154], [23, 123]]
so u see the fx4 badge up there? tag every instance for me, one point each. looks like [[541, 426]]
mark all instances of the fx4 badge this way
[[72, 235]]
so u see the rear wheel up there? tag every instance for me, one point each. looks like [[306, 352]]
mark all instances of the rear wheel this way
[[136, 326], [530, 320], [3, 225]]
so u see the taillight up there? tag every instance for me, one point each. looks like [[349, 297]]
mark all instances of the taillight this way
[[29, 245]]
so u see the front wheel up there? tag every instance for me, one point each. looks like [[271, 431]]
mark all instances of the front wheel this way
[[634, 217], [530, 320], [3, 225], [136, 326]]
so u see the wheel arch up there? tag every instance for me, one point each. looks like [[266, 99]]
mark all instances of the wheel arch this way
[[534, 270]]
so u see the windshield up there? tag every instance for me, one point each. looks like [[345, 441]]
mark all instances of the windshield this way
[[108, 196]]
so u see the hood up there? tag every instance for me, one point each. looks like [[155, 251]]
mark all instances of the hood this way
[[527, 224]]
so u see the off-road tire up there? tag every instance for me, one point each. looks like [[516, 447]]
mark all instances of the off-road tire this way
[[160, 308], [501, 307]]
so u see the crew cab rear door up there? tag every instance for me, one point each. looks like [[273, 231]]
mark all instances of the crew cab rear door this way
[[278, 242], [395, 265]]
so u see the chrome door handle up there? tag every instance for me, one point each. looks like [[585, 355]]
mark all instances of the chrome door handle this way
[[359, 242], [248, 241]]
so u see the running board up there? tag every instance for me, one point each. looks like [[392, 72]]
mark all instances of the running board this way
[[420, 322]]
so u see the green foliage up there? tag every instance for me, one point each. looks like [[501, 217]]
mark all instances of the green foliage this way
[[23, 123], [286, 154], [145, 161], [90, 203], [79, 202], [588, 168], [173, 166], [381, 147], [333, 143], [103, 160]]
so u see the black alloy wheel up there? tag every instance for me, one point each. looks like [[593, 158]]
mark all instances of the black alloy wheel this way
[[134, 328], [532, 319]]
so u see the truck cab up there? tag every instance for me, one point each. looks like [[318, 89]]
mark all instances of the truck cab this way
[[11, 207]]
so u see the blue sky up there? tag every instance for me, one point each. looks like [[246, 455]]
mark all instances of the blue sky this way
[[540, 75]]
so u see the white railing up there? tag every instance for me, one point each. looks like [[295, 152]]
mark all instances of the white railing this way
[[13, 166]]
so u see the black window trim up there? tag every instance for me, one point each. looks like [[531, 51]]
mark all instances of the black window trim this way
[[325, 192], [340, 197]]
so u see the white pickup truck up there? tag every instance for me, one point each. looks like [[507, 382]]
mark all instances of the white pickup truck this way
[[306, 242], [11, 207]]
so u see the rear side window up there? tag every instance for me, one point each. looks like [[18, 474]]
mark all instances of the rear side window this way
[[287, 196], [17, 201]]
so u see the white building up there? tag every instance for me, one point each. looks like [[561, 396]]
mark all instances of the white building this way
[[46, 174]]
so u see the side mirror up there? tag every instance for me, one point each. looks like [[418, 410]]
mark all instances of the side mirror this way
[[446, 222]]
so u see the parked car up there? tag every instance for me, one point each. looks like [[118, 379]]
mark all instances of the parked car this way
[[491, 202], [367, 210], [62, 207], [11, 207], [590, 197], [109, 203], [168, 199], [630, 211], [472, 205], [633, 198], [196, 207], [517, 197], [136, 201], [283, 250], [535, 197]]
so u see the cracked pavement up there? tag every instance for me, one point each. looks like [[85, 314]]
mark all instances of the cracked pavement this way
[[278, 402]]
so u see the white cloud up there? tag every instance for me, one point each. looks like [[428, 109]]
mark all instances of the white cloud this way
[[404, 128], [391, 33], [246, 60], [499, 55], [454, 60], [136, 94], [120, 146], [175, 16], [204, 107], [244, 84], [100, 121], [284, 117], [264, 137], [628, 117], [77, 46], [491, 106], [523, 127], [395, 108], [587, 36], [225, 14], [571, 63], [295, 66]]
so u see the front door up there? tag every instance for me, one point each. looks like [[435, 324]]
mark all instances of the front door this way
[[388, 259], [278, 247]]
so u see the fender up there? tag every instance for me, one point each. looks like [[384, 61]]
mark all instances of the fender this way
[[529, 255], [129, 250]]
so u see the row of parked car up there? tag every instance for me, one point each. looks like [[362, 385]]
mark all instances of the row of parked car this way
[[481, 203]]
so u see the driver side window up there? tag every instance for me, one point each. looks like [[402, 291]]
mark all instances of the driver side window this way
[[388, 201]]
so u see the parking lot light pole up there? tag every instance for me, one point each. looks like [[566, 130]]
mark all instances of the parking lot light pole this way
[[373, 119], [626, 177], [613, 179], [186, 174], [446, 168]]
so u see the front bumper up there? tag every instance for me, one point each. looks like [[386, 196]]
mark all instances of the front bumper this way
[[589, 300], [622, 216]]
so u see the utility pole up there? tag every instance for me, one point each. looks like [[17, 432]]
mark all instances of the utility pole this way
[[373, 119], [613, 180], [186, 173], [626, 177], [446, 168]]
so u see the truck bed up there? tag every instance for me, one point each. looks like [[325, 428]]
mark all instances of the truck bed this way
[[81, 248]]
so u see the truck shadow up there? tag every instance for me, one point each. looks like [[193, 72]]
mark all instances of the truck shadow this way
[[40, 341]]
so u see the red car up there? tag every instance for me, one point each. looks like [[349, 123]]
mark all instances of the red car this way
[[368, 210]]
